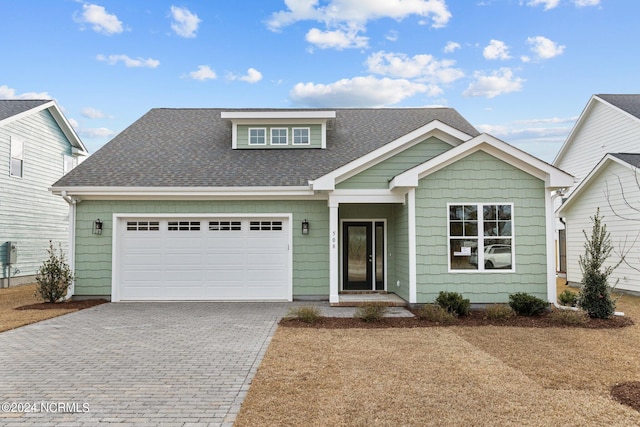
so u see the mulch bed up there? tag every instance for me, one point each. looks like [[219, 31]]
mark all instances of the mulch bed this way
[[70, 305], [627, 393], [475, 318]]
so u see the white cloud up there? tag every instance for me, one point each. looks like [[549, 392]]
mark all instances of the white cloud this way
[[252, 76], [545, 48], [204, 72], [451, 47], [338, 39], [422, 67], [497, 83], [496, 49], [8, 93], [392, 36], [94, 132], [548, 4], [585, 3], [100, 20], [128, 62], [185, 23], [93, 113], [356, 92]]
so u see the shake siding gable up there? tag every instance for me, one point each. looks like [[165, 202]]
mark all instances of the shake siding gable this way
[[378, 176], [310, 253], [29, 214], [480, 178]]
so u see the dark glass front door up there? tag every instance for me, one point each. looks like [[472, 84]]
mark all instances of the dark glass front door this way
[[363, 256]]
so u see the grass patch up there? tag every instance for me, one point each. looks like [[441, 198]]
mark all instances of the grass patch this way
[[499, 312], [569, 317], [371, 312], [435, 313], [306, 314]]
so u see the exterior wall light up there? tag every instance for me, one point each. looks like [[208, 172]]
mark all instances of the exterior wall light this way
[[305, 227], [97, 227]]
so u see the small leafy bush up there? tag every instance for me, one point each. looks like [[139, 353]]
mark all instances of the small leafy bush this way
[[527, 305], [435, 313], [54, 276], [569, 317], [499, 312], [306, 314], [454, 303], [568, 298], [370, 312]]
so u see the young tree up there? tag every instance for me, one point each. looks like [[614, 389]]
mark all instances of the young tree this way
[[54, 276], [595, 292]]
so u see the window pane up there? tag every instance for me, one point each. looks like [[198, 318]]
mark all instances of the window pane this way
[[301, 136], [504, 228], [455, 229], [471, 212], [16, 167], [455, 212], [489, 212], [490, 228], [463, 254], [497, 254], [504, 212], [470, 228]]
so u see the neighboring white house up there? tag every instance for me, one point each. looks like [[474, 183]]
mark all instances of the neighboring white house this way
[[37, 147], [602, 152]]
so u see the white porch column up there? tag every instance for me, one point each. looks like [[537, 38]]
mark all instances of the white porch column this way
[[334, 270], [550, 222], [411, 211]]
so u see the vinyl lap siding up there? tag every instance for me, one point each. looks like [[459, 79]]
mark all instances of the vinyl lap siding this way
[[378, 176], [623, 231], [480, 178], [29, 213], [310, 253]]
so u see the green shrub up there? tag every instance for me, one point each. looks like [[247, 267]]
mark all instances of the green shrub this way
[[306, 314], [499, 312], [54, 276], [527, 305], [568, 298], [569, 317], [435, 313], [454, 303], [371, 312]]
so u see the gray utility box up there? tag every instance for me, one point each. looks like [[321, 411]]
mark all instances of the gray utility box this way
[[12, 252]]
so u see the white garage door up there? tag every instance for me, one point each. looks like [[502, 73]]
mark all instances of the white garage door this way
[[203, 259]]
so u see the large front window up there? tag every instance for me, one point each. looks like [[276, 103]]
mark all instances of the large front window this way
[[481, 237]]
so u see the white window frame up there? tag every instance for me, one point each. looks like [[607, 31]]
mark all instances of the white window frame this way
[[293, 139], [286, 136], [17, 154], [480, 238], [264, 136]]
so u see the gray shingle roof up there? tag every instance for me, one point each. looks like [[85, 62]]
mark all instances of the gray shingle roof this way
[[192, 148], [629, 102], [632, 158], [11, 107]]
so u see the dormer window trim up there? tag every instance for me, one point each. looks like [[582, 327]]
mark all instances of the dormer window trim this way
[[276, 138], [257, 136], [302, 137]]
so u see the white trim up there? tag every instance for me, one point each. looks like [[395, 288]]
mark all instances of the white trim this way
[[286, 136], [551, 247], [71, 246], [366, 196], [480, 238], [433, 128], [413, 251], [552, 176], [373, 222], [234, 136], [115, 279], [334, 260], [282, 114], [293, 136], [249, 143], [323, 134], [18, 142]]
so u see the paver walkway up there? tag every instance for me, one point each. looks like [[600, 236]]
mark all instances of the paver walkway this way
[[135, 364]]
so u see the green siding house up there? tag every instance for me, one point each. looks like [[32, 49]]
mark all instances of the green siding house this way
[[37, 147], [283, 204]]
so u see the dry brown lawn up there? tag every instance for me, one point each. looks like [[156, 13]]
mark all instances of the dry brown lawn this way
[[480, 376], [12, 298]]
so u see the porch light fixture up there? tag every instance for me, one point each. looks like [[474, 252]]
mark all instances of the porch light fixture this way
[[97, 227], [305, 227]]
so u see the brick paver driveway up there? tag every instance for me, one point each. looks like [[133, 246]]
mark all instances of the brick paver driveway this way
[[135, 364]]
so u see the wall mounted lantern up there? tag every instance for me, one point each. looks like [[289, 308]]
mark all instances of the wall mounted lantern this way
[[305, 227], [97, 227]]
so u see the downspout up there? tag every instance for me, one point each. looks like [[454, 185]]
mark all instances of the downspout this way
[[72, 240], [560, 193]]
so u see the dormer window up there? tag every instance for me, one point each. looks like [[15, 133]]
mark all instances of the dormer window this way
[[257, 136], [300, 136], [279, 136]]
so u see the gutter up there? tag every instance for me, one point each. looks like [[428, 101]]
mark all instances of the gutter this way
[[72, 240]]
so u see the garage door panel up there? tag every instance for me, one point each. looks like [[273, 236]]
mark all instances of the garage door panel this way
[[210, 259]]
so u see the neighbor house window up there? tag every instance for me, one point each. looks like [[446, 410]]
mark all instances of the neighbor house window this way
[[257, 136], [300, 136], [17, 157], [279, 136], [481, 237]]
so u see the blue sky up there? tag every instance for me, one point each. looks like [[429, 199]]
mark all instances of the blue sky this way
[[521, 70]]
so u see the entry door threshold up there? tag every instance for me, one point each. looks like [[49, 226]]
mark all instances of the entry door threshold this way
[[358, 298]]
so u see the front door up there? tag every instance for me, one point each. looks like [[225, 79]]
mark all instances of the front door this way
[[363, 255]]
